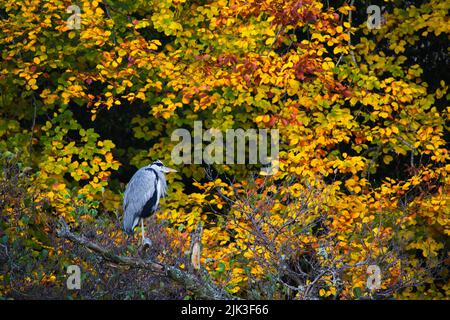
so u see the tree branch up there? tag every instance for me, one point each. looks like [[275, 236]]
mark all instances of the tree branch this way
[[203, 288], [349, 33]]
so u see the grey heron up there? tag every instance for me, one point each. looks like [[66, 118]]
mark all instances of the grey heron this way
[[142, 195]]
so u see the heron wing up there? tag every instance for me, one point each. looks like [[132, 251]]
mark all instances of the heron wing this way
[[140, 189]]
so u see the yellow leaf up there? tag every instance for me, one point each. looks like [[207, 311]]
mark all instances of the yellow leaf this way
[[141, 96], [387, 159], [317, 36], [328, 65]]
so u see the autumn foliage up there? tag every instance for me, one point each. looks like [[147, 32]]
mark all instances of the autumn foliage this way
[[363, 122]]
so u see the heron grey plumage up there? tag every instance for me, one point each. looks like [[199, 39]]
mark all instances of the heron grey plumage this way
[[142, 195]]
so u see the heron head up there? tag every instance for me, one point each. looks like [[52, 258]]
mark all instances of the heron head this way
[[158, 165]]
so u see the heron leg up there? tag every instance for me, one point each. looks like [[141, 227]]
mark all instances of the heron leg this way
[[145, 241]]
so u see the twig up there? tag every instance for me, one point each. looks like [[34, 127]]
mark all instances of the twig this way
[[349, 34], [30, 147]]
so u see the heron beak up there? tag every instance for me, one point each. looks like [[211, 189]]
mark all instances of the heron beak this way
[[167, 169]]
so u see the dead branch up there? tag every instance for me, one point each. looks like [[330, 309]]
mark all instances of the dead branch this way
[[196, 247]]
